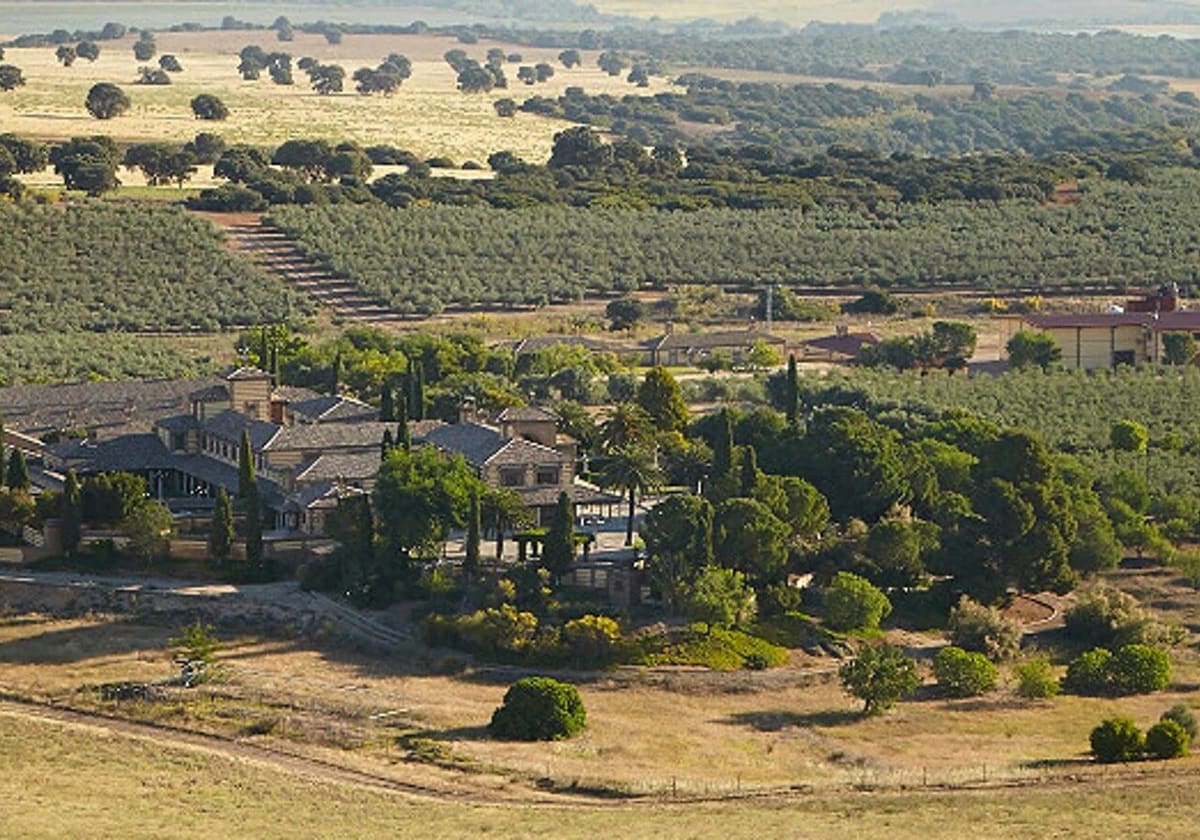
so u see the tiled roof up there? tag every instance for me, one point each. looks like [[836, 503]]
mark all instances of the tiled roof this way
[[518, 451], [475, 442], [706, 341], [1163, 322], [132, 404], [329, 436], [526, 414], [214, 393], [247, 373], [419, 430], [229, 425], [178, 423], [225, 475], [349, 467], [532, 345], [127, 453], [330, 409], [293, 394], [580, 494], [850, 345]]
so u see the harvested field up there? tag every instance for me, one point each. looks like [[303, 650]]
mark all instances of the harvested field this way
[[428, 115]]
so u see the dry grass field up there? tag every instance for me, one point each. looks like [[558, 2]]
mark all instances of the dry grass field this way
[[50, 775], [796, 13], [649, 733], [427, 116], [309, 739]]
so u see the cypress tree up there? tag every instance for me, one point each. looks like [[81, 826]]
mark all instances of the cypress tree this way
[[702, 538], [793, 391], [387, 446], [403, 438], [335, 374], [723, 446], [749, 471], [3, 451], [274, 371], [246, 483], [264, 353], [559, 550], [220, 536], [418, 408], [471, 561], [387, 405], [72, 513], [254, 536], [366, 538], [17, 477]]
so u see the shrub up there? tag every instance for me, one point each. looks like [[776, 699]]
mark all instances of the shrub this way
[[592, 639], [1167, 739], [1133, 669], [879, 676], [1108, 617], [852, 603], [961, 673], [1088, 673], [1183, 715], [1139, 669], [1117, 739], [539, 709], [983, 629], [1035, 679]]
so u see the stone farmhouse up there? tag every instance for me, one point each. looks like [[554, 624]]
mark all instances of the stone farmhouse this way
[[309, 449]]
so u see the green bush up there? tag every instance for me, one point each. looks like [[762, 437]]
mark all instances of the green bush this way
[[1133, 669], [975, 627], [1183, 715], [1088, 673], [879, 676], [539, 709], [853, 603], [961, 673], [1117, 739], [721, 650], [1035, 679], [592, 639], [1167, 739], [1139, 669]]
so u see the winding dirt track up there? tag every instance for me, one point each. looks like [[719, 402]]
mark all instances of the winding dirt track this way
[[522, 796], [307, 767]]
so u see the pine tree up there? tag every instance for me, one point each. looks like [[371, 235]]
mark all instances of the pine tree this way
[[246, 482], [558, 552], [749, 471], [220, 536], [17, 477], [72, 513], [793, 392], [471, 561]]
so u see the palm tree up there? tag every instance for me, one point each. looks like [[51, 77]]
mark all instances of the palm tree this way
[[633, 470], [627, 425]]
